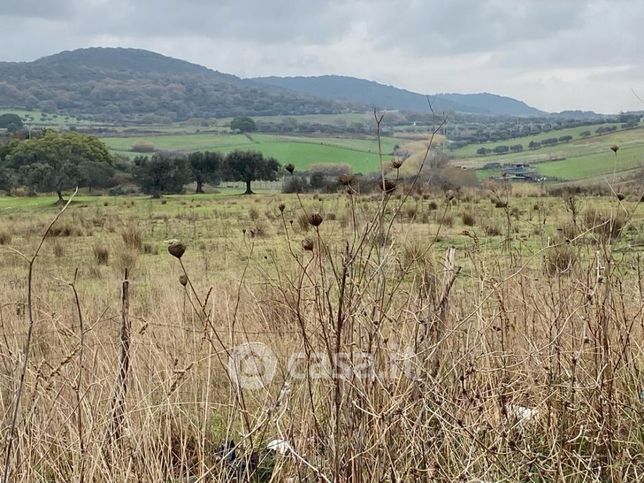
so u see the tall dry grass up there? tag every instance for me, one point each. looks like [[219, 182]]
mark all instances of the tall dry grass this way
[[490, 361]]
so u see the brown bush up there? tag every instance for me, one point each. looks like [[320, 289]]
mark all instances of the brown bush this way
[[59, 250], [101, 254], [492, 229], [132, 238], [605, 225], [303, 222], [5, 238], [143, 147], [559, 260], [468, 219]]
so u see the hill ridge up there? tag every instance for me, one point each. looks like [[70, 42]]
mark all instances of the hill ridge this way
[[391, 97]]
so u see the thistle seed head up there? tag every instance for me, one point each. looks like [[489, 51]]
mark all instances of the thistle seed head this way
[[388, 186], [397, 163], [176, 249], [315, 219], [307, 244]]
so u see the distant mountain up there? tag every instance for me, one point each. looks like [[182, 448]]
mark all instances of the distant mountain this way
[[120, 84], [586, 115], [486, 103], [388, 97]]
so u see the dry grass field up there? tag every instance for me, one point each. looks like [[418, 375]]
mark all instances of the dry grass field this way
[[484, 335]]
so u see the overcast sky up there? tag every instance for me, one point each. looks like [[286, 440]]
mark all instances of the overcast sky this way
[[552, 54]]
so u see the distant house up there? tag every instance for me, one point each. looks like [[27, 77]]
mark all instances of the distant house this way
[[520, 172]]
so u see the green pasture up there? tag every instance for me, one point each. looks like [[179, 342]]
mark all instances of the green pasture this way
[[594, 164], [470, 149], [302, 151]]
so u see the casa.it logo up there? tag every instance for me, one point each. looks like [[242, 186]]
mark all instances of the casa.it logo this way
[[252, 365]]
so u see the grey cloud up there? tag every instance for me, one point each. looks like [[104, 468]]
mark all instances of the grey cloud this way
[[532, 49], [47, 9]]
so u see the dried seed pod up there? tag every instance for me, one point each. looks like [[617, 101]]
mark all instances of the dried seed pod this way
[[307, 244], [183, 279], [397, 163], [345, 179], [290, 168], [614, 148], [176, 249], [388, 186], [620, 196], [315, 219], [281, 207]]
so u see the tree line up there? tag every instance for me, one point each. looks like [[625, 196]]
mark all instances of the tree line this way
[[58, 161]]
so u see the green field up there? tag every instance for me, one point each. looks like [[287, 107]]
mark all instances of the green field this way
[[587, 166], [579, 159], [360, 153], [470, 149]]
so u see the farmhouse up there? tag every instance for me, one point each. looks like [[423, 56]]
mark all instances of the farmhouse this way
[[520, 172]]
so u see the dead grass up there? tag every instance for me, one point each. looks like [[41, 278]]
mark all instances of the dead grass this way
[[519, 361]]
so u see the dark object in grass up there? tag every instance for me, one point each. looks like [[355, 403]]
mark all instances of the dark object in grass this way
[[176, 249], [315, 219], [307, 244], [388, 186]]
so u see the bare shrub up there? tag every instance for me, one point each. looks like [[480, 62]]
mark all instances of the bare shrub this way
[[569, 230], [468, 219], [605, 225], [64, 229], [445, 220], [59, 249], [303, 222], [126, 258], [492, 229], [101, 254], [560, 259], [132, 238], [150, 249], [5, 237], [253, 214]]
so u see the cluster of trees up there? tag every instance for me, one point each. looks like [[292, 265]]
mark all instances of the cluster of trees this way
[[605, 129], [56, 162], [464, 130], [517, 148], [166, 173], [549, 141], [59, 161], [11, 122], [501, 149], [243, 124]]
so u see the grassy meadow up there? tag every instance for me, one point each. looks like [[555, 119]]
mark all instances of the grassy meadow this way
[[576, 160], [361, 153], [504, 327]]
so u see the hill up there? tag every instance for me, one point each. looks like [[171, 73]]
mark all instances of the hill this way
[[120, 84], [389, 97]]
